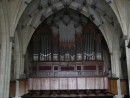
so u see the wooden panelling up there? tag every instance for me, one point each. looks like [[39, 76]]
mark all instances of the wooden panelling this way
[[106, 82], [81, 83], [113, 85], [99, 83], [63, 83], [74, 83], [45, 83], [54, 83], [90, 83], [124, 86], [36, 84], [23, 87], [12, 89]]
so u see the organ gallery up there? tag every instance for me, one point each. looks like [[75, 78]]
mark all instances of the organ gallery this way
[[64, 48], [66, 56]]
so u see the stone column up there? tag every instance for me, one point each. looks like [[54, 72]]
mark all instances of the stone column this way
[[17, 90], [6, 49], [128, 62], [119, 89], [115, 59], [5, 65]]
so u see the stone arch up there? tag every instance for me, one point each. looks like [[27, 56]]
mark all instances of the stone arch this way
[[35, 23]]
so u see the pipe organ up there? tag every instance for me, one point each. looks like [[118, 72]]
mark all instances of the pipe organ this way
[[66, 61], [53, 56], [49, 47]]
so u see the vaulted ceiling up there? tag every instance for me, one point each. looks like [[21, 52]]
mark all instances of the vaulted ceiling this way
[[97, 11]]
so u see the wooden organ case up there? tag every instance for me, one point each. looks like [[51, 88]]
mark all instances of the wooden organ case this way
[[65, 65], [52, 56]]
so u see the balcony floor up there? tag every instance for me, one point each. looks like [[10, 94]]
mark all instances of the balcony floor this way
[[69, 94]]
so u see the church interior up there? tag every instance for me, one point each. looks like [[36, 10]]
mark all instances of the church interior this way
[[64, 48]]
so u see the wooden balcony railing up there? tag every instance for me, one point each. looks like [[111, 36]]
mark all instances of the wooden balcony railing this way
[[67, 69], [73, 83]]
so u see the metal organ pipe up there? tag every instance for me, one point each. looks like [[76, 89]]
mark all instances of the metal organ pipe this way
[[93, 46], [58, 47], [39, 50], [85, 44], [75, 44], [41, 47], [90, 48], [51, 47], [46, 42], [87, 47], [49, 43], [44, 46], [47, 46]]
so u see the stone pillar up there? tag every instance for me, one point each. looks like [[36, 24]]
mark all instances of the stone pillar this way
[[5, 65], [17, 57], [119, 90], [128, 62], [6, 49], [17, 90], [115, 60]]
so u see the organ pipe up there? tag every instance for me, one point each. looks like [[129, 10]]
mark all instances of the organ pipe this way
[[85, 46]]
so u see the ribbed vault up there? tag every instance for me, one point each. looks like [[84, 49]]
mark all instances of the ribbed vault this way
[[20, 18], [37, 11]]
